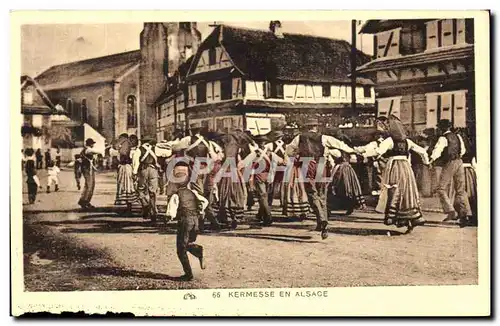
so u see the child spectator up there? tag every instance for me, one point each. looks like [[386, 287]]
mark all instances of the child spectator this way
[[78, 170], [53, 172]]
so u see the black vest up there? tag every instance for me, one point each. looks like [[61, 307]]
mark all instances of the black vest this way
[[149, 159], [201, 150], [87, 160], [311, 145], [188, 203], [400, 148], [452, 151]]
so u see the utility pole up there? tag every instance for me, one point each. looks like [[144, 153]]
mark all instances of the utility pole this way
[[353, 65]]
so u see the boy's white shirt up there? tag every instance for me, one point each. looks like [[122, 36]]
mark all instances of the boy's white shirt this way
[[173, 203]]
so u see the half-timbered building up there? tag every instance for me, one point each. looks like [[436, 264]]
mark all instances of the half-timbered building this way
[[423, 69], [243, 78]]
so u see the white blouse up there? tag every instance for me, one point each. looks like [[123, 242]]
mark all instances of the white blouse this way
[[388, 144]]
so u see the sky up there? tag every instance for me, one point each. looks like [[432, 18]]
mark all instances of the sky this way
[[43, 46]]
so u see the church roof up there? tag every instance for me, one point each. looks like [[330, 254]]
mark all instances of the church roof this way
[[261, 55], [89, 71]]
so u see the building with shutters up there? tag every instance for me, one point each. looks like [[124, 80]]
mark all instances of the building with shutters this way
[[248, 79], [115, 94], [423, 70]]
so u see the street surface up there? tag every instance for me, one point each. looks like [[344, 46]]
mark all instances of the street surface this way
[[66, 249]]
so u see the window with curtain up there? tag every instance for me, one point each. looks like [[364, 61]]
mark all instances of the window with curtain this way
[[131, 112]]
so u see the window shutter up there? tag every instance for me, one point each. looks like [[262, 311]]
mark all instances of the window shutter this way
[[210, 92], [382, 39], [216, 90], [432, 37], [447, 32], [460, 109], [394, 44], [432, 108], [446, 106], [460, 31], [309, 93], [383, 107]]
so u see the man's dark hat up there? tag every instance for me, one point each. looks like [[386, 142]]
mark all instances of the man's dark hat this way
[[261, 138], [195, 125], [89, 142], [444, 124], [148, 139]]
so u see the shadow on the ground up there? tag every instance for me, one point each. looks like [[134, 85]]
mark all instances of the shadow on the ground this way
[[121, 272], [104, 209], [264, 236]]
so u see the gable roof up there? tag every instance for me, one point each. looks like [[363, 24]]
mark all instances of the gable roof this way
[[89, 71], [260, 55], [41, 102]]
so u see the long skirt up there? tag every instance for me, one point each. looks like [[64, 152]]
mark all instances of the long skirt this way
[[232, 196], [125, 190], [399, 199], [470, 189], [212, 189], [294, 196], [344, 192]]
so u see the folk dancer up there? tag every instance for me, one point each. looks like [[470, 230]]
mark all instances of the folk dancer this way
[[125, 190], [249, 183], [311, 145], [448, 153], [145, 171], [259, 161], [32, 181], [58, 157], [216, 154], [344, 191], [232, 189], [88, 171], [277, 147], [187, 206], [399, 199], [378, 163]]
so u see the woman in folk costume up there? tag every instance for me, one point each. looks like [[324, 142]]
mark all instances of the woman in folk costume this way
[[399, 198], [344, 191], [125, 190], [216, 154], [469, 164], [232, 188]]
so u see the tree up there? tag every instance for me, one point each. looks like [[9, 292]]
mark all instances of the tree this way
[[59, 135]]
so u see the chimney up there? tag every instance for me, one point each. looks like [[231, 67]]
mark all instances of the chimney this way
[[275, 28]]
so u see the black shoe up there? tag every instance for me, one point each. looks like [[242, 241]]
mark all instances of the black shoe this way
[[324, 230], [234, 224], [452, 216], [57, 188], [48, 190], [90, 206], [79, 188], [463, 222], [186, 277], [203, 265], [268, 222]]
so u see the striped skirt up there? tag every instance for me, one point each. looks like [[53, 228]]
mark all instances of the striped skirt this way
[[294, 196], [125, 188], [344, 192], [232, 196], [399, 199]]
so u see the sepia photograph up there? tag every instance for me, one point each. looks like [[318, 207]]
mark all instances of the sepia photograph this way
[[258, 159]]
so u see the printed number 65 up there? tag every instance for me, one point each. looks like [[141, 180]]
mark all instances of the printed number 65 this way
[[216, 294]]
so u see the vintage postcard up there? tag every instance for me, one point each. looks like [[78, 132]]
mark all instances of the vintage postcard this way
[[326, 163]]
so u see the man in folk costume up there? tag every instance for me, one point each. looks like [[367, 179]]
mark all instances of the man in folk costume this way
[[277, 148], [145, 171], [88, 170], [249, 183], [188, 206], [448, 152], [216, 154], [311, 145], [259, 161]]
